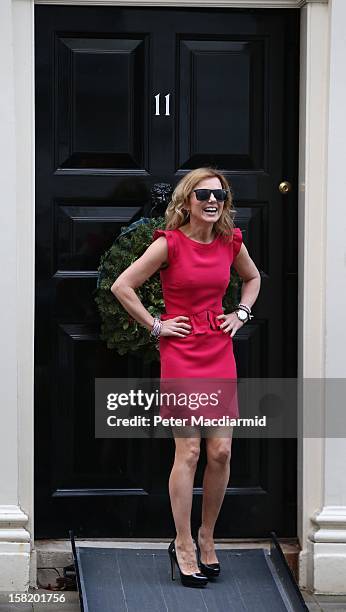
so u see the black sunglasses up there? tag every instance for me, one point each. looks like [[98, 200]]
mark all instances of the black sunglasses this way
[[204, 194]]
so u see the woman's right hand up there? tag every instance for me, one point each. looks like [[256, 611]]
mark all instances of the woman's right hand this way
[[176, 327]]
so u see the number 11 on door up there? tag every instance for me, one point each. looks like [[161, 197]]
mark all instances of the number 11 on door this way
[[157, 105]]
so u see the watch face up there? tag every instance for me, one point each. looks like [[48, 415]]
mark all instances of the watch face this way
[[242, 315]]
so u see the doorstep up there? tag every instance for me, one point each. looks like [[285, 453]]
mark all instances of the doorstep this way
[[58, 554]]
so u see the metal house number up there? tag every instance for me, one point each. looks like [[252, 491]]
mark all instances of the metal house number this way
[[157, 105]]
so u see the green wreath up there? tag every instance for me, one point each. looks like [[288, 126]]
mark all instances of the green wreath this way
[[118, 329]]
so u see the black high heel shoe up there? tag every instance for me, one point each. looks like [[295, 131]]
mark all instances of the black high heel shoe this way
[[195, 579], [211, 570]]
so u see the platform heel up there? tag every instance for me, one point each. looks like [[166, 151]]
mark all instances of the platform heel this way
[[197, 579], [211, 570]]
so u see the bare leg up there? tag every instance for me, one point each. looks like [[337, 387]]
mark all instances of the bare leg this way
[[180, 490], [215, 480]]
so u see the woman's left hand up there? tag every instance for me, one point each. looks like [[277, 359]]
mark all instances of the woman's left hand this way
[[230, 324]]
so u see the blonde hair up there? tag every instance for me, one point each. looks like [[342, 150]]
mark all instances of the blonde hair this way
[[174, 214]]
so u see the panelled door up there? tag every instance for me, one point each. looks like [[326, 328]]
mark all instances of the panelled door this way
[[127, 98]]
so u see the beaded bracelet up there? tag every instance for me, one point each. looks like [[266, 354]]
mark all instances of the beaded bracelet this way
[[156, 329]]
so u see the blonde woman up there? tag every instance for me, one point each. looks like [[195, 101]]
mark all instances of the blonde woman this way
[[194, 255]]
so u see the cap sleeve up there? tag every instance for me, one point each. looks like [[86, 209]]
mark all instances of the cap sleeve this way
[[237, 241], [170, 241]]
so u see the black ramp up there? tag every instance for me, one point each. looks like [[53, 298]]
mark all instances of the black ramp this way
[[132, 580], [284, 576]]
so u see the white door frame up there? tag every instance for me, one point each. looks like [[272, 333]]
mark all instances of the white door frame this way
[[20, 193]]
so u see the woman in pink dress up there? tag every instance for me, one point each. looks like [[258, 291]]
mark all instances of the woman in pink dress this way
[[194, 255]]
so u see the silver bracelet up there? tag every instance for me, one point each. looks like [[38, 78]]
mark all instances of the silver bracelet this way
[[244, 307], [156, 329]]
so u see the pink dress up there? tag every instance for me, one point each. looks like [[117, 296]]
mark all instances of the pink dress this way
[[193, 285]]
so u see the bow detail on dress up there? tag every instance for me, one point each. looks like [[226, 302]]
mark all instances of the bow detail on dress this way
[[201, 322]]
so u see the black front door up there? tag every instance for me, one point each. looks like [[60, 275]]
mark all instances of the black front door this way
[[126, 98]]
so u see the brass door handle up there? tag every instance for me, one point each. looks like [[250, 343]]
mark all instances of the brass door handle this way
[[285, 187]]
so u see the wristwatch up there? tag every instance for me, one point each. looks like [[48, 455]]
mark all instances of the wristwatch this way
[[242, 315]]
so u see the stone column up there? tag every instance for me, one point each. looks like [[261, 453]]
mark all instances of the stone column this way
[[328, 534], [15, 438]]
